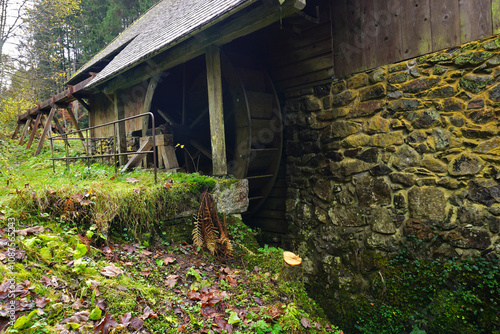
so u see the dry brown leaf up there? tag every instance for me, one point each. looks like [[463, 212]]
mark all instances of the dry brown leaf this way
[[111, 271], [30, 230], [132, 180], [169, 260], [291, 258], [65, 298], [79, 303], [305, 322], [172, 280]]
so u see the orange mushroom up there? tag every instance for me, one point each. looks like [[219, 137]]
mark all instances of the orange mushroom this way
[[291, 258]]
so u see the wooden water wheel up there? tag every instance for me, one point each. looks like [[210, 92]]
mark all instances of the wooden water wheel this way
[[253, 125]]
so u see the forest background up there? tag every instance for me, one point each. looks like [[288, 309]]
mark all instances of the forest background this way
[[53, 39]]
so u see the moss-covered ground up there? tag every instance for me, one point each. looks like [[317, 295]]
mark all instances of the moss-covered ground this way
[[69, 269]]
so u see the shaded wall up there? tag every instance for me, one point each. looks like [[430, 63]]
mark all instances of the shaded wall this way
[[409, 150]]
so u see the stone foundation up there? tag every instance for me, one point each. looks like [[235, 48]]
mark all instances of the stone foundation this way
[[404, 151]]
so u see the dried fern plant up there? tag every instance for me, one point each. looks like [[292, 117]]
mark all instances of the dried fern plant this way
[[209, 231]]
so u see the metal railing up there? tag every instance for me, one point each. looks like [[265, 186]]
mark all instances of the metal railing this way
[[88, 149]]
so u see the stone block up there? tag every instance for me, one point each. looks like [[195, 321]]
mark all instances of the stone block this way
[[377, 76], [489, 147], [381, 221], [357, 81], [406, 179], [444, 91], [419, 229], [353, 166], [476, 103], [356, 140], [342, 215], [400, 202], [373, 191], [323, 189], [403, 105], [366, 108], [475, 83], [482, 116], [465, 164], [456, 121], [372, 92], [485, 133], [406, 156], [434, 164], [428, 203], [381, 169], [387, 243], [452, 104], [398, 77], [419, 85], [377, 124], [387, 139], [469, 238], [484, 191], [343, 98], [342, 129], [370, 155], [424, 119], [441, 139]]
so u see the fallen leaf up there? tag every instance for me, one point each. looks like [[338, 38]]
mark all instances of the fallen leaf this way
[[132, 180], [65, 298], [146, 273], [78, 318], [101, 303], [30, 230], [111, 271], [136, 323], [49, 281], [41, 302], [79, 304], [148, 313], [125, 320], [106, 324], [305, 322], [129, 248], [172, 280], [169, 260], [146, 252]]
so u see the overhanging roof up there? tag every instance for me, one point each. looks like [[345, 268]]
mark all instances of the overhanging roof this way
[[163, 26]]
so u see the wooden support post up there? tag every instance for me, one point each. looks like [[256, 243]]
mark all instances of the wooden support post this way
[[153, 82], [121, 135], [48, 125], [61, 131], [35, 128], [25, 130], [216, 111], [85, 105], [77, 127], [136, 158], [16, 131]]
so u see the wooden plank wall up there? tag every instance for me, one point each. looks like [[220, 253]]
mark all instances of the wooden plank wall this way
[[370, 33]]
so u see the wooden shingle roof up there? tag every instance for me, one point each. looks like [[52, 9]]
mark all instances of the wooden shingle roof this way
[[163, 26]]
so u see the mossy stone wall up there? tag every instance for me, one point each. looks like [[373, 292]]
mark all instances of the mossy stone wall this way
[[408, 150]]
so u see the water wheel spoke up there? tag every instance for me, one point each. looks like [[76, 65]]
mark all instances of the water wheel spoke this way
[[201, 148], [203, 113]]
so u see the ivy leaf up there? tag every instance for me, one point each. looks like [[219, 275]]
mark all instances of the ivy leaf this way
[[233, 318]]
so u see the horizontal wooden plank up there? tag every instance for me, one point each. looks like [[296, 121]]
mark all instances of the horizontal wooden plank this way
[[295, 55], [305, 79], [304, 67]]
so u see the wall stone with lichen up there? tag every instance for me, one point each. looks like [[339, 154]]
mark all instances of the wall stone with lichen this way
[[408, 150]]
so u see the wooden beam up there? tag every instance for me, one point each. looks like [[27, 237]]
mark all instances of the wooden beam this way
[[61, 131], [25, 130], [83, 103], [48, 125], [77, 127], [216, 111], [153, 82], [122, 139], [219, 34], [18, 126], [35, 128], [165, 117], [137, 158]]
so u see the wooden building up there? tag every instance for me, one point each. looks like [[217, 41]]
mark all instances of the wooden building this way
[[217, 73]]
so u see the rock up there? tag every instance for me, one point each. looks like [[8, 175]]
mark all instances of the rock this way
[[400, 202], [441, 57], [495, 61], [343, 98], [338, 86], [398, 77], [424, 119], [370, 155], [465, 164], [433, 164], [475, 83], [484, 191], [312, 103], [476, 103], [475, 216], [457, 121], [377, 76], [387, 243], [418, 136], [380, 170], [381, 221], [482, 116], [452, 104], [232, 199], [494, 93], [492, 45], [394, 95], [445, 91], [427, 203], [353, 166], [441, 138], [358, 80], [372, 92], [406, 179], [469, 238], [406, 156], [418, 229], [489, 147], [373, 191], [482, 134], [418, 85], [323, 189], [352, 153], [342, 129], [387, 139], [403, 105], [377, 124], [357, 140], [366, 109], [342, 215]]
